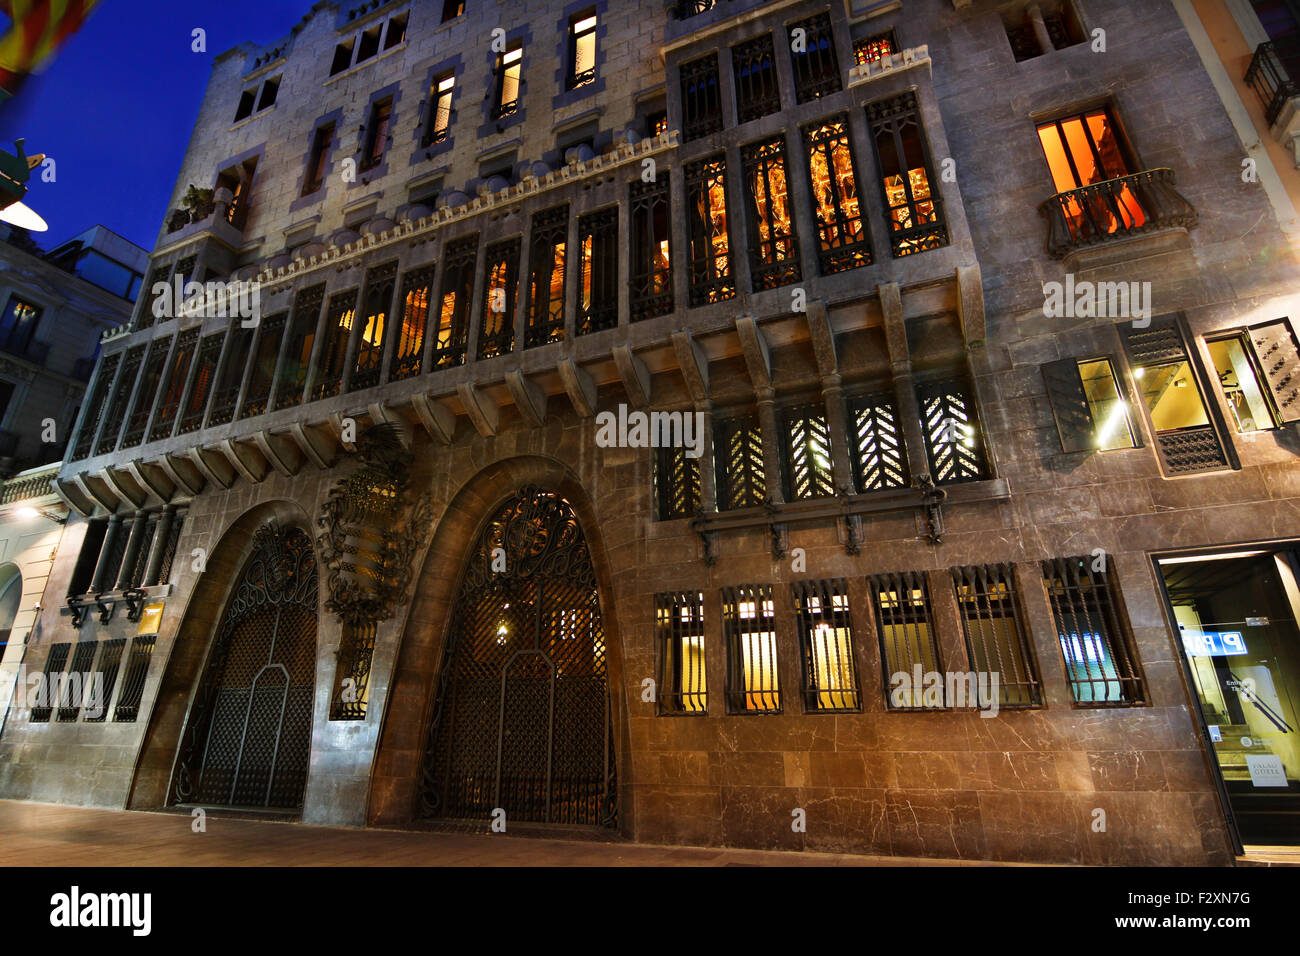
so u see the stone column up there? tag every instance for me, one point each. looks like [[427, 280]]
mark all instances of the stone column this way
[[1040, 28], [138, 525], [708, 480], [767, 422], [836, 425], [159, 546], [99, 582]]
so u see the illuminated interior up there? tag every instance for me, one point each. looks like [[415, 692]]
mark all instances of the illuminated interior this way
[[830, 654], [873, 49], [415, 313], [1171, 396], [1109, 410], [1082, 151], [906, 179], [370, 347], [496, 314], [769, 193], [584, 51], [442, 92], [1249, 407], [835, 189], [757, 638], [511, 71]]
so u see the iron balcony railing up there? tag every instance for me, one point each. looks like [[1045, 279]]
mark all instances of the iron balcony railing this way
[[1270, 75], [1115, 209]]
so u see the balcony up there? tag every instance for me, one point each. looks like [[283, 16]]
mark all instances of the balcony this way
[[1270, 75], [1114, 210]]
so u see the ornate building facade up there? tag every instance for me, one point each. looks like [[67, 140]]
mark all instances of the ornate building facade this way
[[823, 425]]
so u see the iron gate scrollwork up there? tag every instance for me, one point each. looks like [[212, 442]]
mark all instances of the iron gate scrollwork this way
[[248, 739], [521, 715]]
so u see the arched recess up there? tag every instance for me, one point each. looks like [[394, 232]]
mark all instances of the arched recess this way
[[220, 598], [395, 795]]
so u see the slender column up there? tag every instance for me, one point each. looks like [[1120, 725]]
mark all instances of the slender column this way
[[708, 481], [1040, 28], [159, 545], [766, 400], [833, 398], [98, 582], [133, 544]]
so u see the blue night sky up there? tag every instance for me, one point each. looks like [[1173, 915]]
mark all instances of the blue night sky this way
[[116, 105]]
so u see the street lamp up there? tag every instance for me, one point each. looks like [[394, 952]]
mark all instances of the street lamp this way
[[42, 513]]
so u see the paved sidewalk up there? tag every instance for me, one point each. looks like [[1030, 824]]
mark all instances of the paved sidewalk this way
[[37, 834]]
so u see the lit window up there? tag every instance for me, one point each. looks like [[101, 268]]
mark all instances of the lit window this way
[[509, 73], [380, 282], [582, 51], [498, 332], [753, 678], [905, 627], [396, 32], [439, 122], [546, 281], [915, 213], [872, 49], [706, 210], [18, 325], [677, 483], [951, 431], [996, 637], [417, 289], [738, 463], [679, 624], [1100, 662], [1086, 150], [808, 471], [598, 271], [461, 256], [1235, 363], [842, 239], [652, 291], [774, 246], [830, 681]]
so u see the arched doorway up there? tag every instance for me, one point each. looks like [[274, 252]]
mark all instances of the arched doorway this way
[[521, 717], [247, 741]]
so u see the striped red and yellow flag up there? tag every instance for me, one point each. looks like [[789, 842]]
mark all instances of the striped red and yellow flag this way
[[38, 29]]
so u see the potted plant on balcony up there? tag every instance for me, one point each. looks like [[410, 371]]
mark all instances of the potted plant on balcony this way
[[197, 203]]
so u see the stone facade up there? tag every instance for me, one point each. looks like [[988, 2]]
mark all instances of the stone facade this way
[[1024, 785]]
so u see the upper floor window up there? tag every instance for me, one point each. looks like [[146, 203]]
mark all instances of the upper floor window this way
[[269, 90], [598, 271], [905, 629], [685, 9], [807, 440], [701, 105], [451, 9], [738, 463], [903, 158], [384, 36], [375, 303], [546, 282], [18, 325], [1042, 27], [876, 442], [950, 425], [656, 123], [460, 258], [497, 335], [842, 238], [652, 286], [1087, 149], [749, 630], [1090, 411], [830, 677], [318, 159], [812, 53], [710, 246], [438, 124], [677, 483], [196, 402], [239, 180], [874, 48], [997, 641], [773, 244], [1259, 371], [340, 317], [509, 76], [377, 133], [417, 292], [753, 64], [582, 50]]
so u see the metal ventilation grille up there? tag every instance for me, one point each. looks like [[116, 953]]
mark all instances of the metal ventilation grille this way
[[808, 471], [77, 684], [352, 679], [738, 454], [878, 460], [50, 677], [996, 637], [905, 626], [137, 668], [1101, 664], [677, 483], [679, 628], [110, 661], [749, 629], [417, 292], [830, 676], [952, 436]]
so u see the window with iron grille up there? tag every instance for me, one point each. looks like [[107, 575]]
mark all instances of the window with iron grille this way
[[754, 66], [158, 273], [812, 53], [169, 401], [497, 337], [95, 410], [652, 279], [773, 244], [1101, 663], [905, 627], [598, 248], [738, 456], [438, 124], [509, 79], [76, 683], [261, 370], [1170, 390], [298, 347], [914, 209], [841, 234], [169, 549], [138, 420], [679, 632], [196, 402], [106, 670], [127, 380], [807, 439], [582, 50], [83, 572], [333, 354], [997, 641], [677, 483], [876, 441], [710, 242], [351, 694], [51, 683], [137, 669], [749, 631], [701, 104], [417, 290], [685, 9], [830, 675], [874, 48], [375, 305], [954, 447], [546, 263], [460, 258]]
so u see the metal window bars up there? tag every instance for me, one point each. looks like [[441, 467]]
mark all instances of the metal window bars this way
[[157, 274], [106, 669], [953, 444], [452, 332], [51, 680], [677, 483], [417, 292], [1101, 663], [296, 363], [685, 9], [169, 549], [914, 207], [75, 686], [497, 335], [172, 391], [352, 679], [773, 242], [812, 54], [738, 460], [997, 641], [842, 236], [598, 271], [261, 371], [701, 103], [148, 388], [753, 64], [197, 401], [806, 436], [749, 632], [830, 677], [709, 247], [137, 668], [376, 313], [96, 409], [548, 258], [874, 48], [908, 644], [679, 631], [342, 315], [652, 280], [877, 444]]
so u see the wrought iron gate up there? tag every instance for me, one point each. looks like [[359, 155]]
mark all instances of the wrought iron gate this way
[[248, 738], [522, 713]]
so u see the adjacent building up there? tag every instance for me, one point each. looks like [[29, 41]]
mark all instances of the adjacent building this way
[[824, 425]]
